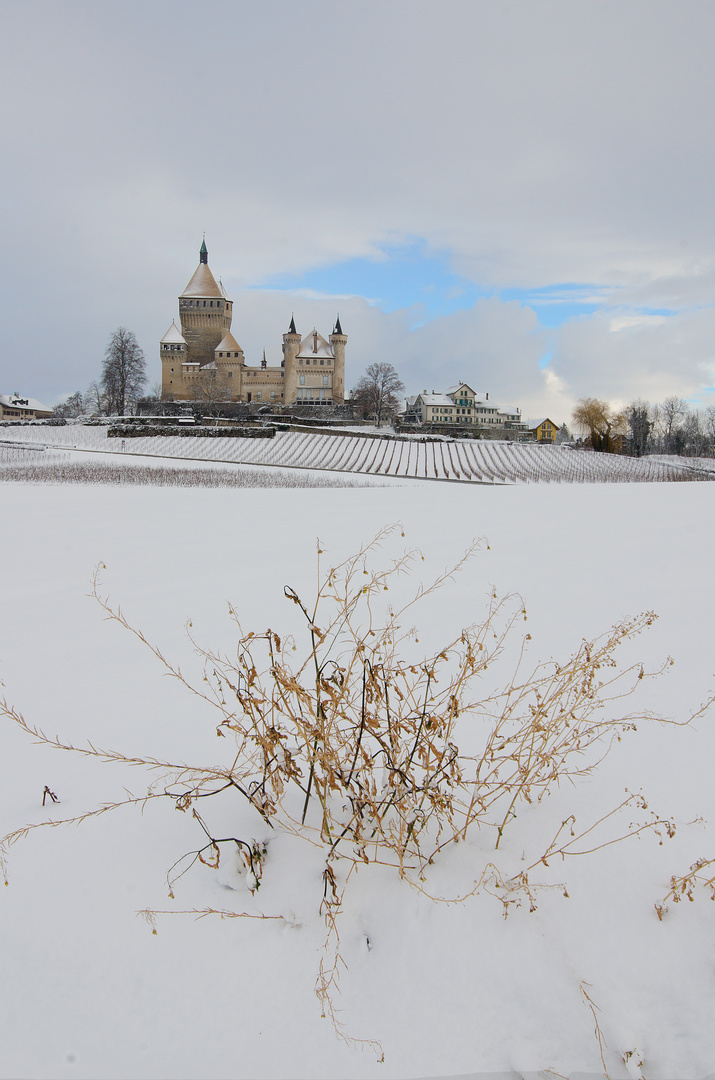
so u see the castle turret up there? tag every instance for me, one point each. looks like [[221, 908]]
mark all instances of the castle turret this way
[[230, 361], [205, 312], [339, 340], [172, 352], [291, 347]]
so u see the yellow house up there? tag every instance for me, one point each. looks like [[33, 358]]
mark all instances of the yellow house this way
[[543, 430]]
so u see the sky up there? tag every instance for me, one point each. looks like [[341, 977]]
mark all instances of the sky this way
[[514, 193]]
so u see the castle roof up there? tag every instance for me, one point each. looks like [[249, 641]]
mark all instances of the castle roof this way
[[314, 344], [203, 283], [229, 344], [173, 336]]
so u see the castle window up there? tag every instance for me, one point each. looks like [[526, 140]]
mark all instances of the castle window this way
[[230, 374], [325, 380], [258, 395], [302, 380], [322, 363], [220, 355], [300, 362]]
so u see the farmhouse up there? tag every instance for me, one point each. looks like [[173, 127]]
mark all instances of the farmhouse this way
[[461, 404], [201, 359], [14, 407]]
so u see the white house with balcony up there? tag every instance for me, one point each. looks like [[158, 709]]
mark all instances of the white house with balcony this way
[[461, 404]]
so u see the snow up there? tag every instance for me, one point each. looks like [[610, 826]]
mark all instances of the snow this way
[[462, 460], [448, 990], [173, 336]]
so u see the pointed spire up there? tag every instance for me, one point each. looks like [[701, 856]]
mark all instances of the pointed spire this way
[[291, 328], [338, 328], [204, 252]]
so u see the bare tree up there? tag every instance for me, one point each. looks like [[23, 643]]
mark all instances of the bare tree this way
[[604, 426], [72, 406], [377, 392], [209, 386], [695, 436], [673, 412], [95, 400], [123, 371], [710, 428]]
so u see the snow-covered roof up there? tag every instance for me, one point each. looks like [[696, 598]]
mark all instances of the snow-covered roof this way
[[314, 344], [15, 401], [203, 283], [435, 399], [229, 344], [466, 386], [544, 419], [173, 336]]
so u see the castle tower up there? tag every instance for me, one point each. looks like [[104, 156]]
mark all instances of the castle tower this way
[[291, 347], [230, 362], [172, 352], [339, 340], [205, 313]]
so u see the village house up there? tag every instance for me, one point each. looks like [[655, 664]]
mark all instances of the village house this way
[[543, 430], [14, 407], [461, 404]]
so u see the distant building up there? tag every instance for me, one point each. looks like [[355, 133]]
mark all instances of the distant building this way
[[543, 430], [461, 404], [201, 359], [14, 407]]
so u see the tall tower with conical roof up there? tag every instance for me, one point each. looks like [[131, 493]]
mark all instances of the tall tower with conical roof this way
[[338, 340], [291, 348], [205, 313]]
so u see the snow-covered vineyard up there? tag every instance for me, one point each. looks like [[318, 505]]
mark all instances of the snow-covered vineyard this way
[[463, 461]]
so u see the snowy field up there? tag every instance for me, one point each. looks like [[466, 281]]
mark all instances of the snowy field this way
[[458, 460], [447, 989]]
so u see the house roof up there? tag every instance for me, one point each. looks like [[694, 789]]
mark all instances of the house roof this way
[[15, 401], [435, 399], [173, 336], [458, 386], [203, 284], [533, 424], [314, 344], [228, 344]]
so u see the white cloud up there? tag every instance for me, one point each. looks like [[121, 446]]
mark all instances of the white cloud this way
[[540, 143]]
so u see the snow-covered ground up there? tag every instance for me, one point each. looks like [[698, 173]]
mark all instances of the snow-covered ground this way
[[459, 460], [448, 990]]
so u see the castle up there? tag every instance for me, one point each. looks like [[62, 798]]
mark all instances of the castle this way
[[203, 360]]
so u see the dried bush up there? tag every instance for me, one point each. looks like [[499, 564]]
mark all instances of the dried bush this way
[[348, 741]]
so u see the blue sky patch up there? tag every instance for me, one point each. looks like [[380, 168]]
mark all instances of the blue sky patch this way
[[411, 276]]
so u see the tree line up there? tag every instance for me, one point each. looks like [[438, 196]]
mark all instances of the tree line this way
[[668, 427], [120, 384]]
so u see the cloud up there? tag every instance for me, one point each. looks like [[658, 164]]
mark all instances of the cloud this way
[[535, 144]]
